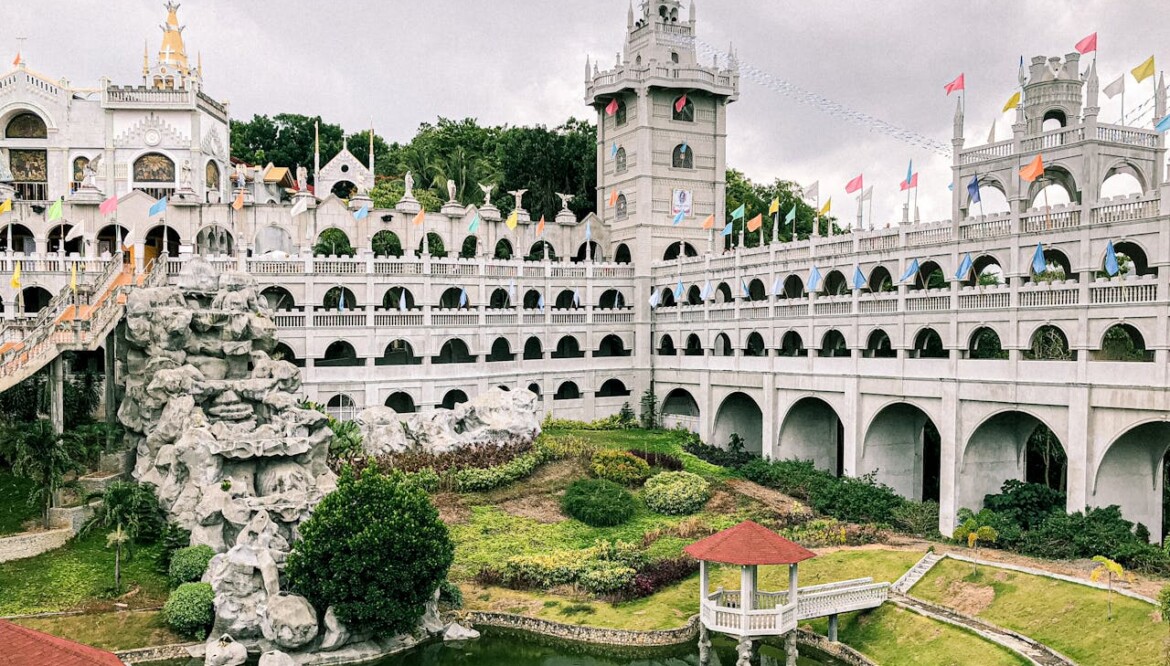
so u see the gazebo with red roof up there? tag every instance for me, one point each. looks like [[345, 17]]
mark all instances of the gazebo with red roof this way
[[27, 647]]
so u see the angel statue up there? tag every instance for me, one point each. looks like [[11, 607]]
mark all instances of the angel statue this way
[[487, 193], [89, 173], [519, 196], [565, 199]]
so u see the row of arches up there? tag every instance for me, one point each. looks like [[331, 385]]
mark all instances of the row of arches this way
[[1057, 187], [398, 297], [387, 243], [1120, 342], [341, 353]]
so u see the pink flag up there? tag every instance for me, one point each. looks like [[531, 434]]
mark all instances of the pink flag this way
[[108, 206], [853, 185], [680, 103], [1087, 44], [611, 108], [912, 183], [957, 84]]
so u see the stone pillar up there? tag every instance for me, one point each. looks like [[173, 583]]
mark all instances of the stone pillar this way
[[790, 652], [833, 627], [743, 650], [57, 394], [704, 645], [110, 386]]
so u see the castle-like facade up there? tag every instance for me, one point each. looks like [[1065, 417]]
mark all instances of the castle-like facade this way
[[933, 384]]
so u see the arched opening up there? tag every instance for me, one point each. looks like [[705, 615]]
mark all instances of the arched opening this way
[[835, 284], [503, 249], [589, 251], [1132, 475], [833, 345], [278, 298], [343, 189], [1123, 342], [612, 388], [619, 161], [538, 249], [694, 295], [739, 419], [340, 354], [722, 346], [499, 299], [666, 346], [108, 239], [23, 239], [57, 242], [401, 402], [679, 247], [928, 344], [341, 407], [903, 448], [156, 245], [622, 254], [470, 247], [534, 389], [986, 271], [679, 410], [1056, 267], [533, 300], [452, 398], [399, 352], [878, 345], [723, 293], [1049, 343], [683, 108], [793, 287], [1119, 184], [881, 281], [1131, 260], [282, 352], [567, 347], [1010, 445], [533, 351], [433, 243], [1056, 187], [611, 299], [756, 290], [666, 298], [811, 430], [565, 300], [333, 242], [453, 351], [694, 346], [154, 174], [79, 165], [29, 166], [211, 181], [34, 299], [611, 345], [214, 240], [682, 157], [755, 345], [930, 276], [619, 114], [985, 345], [621, 209], [567, 391], [792, 345], [270, 242], [1054, 119], [453, 298], [501, 351], [340, 299], [398, 298], [26, 125]]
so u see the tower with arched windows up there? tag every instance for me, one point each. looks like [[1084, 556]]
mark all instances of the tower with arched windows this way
[[662, 128]]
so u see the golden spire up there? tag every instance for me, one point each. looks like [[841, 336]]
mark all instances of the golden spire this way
[[173, 52], [145, 58]]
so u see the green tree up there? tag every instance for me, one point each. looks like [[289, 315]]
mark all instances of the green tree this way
[[46, 457], [333, 241], [1110, 571], [286, 139], [118, 539], [375, 550], [129, 506], [757, 198], [982, 534], [545, 162]]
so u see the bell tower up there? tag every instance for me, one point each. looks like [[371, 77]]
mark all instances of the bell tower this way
[[171, 69], [661, 134]]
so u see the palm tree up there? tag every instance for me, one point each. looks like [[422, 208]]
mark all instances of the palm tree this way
[[118, 539], [130, 506], [44, 455], [1110, 570]]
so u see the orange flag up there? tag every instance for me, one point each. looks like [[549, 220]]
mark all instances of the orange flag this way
[[755, 222], [540, 226], [422, 215], [613, 198], [16, 61], [709, 223], [1033, 170], [238, 204]]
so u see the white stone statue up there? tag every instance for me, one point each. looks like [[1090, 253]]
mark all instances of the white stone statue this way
[[302, 179], [450, 190], [487, 193], [565, 199], [89, 177], [241, 182], [185, 175], [5, 171], [519, 196], [408, 179]]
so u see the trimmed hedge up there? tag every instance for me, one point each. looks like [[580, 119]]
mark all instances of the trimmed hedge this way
[[619, 467], [189, 610], [605, 569], [732, 459], [598, 503], [853, 499], [188, 564], [667, 461], [676, 493], [474, 479]]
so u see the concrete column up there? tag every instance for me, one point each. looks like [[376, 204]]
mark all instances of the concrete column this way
[[792, 584], [110, 384], [57, 394], [790, 652], [950, 456], [1076, 446], [833, 627]]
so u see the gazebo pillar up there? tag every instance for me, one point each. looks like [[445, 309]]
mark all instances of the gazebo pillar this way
[[792, 584]]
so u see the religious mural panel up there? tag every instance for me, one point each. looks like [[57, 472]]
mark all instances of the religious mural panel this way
[[26, 126], [154, 168], [29, 165], [212, 175]]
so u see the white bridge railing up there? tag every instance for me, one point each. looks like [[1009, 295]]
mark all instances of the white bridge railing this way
[[772, 615]]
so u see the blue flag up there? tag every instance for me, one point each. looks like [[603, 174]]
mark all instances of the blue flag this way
[[706, 292], [341, 302], [951, 186], [973, 189], [540, 302], [588, 231], [726, 230], [462, 297], [402, 301], [1163, 125], [613, 150], [909, 172], [1039, 264], [682, 150], [743, 285], [791, 216], [964, 267], [911, 271], [679, 217], [362, 213], [474, 226], [1111, 266], [678, 290], [159, 207], [738, 213], [814, 278], [778, 286], [858, 278]]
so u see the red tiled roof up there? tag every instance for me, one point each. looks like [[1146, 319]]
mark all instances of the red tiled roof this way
[[748, 543], [27, 647]]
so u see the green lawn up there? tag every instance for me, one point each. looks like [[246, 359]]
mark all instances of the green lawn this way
[[660, 441], [109, 631], [1067, 617], [79, 575], [14, 507]]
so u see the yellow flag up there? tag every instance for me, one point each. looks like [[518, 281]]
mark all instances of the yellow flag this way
[[15, 282], [1144, 70], [1012, 102], [6, 207], [827, 206], [774, 207], [512, 220], [73, 278]]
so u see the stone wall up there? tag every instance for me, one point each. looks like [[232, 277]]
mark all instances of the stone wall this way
[[573, 632], [29, 544]]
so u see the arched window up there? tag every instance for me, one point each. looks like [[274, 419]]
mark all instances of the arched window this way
[[211, 176], [401, 402], [683, 157], [792, 345], [619, 161], [283, 352], [452, 398], [154, 174], [622, 254], [433, 243], [533, 351], [985, 345], [833, 344], [501, 351], [567, 391], [1123, 342], [340, 354], [385, 243], [333, 242], [534, 389], [339, 298], [612, 388], [878, 345], [755, 345], [611, 345], [1049, 343], [723, 345], [499, 299], [341, 407], [928, 344], [568, 347], [532, 300], [666, 346], [611, 299], [621, 211], [399, 352], [619, 116], [694, 346], [79, 164], [470, 246], [214, 240], [452, 298], [453, 351], [396, 298], [503, 249], [679, 247], [880, 280], [540, 251], [278, 298], [684, 111], [26, 126]]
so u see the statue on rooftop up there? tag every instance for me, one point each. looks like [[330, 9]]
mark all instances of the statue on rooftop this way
[[519, 196], [408, 180], [450, 190], [302, 179], [487, 193], [565, 199]]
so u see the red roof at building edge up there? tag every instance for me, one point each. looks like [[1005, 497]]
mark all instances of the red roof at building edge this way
[[27, 647], [748, 543]]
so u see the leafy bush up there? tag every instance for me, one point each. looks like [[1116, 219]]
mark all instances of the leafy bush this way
[[666, 461], [605, 569], [474, 479], [917, 518], [564, 447], [619, 467], [826, 532], [189, 610], [481, 456], [1025, 504], [375, 550], [676, 493], [543, 570], [450, 594], [716, 455], [798, 478], [661, 573], [132, 505], [598, 503], [188, 564], [605, 577], [172, 539], [854, 499]]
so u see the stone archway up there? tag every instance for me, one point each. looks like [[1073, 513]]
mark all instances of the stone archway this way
[[739, 414], [1131, 475], [902, 447], [811, 430]]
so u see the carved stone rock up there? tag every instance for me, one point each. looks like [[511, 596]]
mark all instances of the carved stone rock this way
[[495, 416], [290, 622]]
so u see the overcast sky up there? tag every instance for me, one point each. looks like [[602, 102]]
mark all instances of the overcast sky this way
[[522, 62]]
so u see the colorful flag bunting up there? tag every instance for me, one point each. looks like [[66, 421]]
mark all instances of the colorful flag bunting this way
[[709, 223], [755, 223], [858, 278], [1163, 125], [956, 85], [1144, 70], [774, 207], [738, 213], [6, 207], [1111, 266], [1034, 170], [911, 270], [1087, 44], [15, 281], [613, 197], [854, 185], [1012, 102], [827, 207], [678, 290], [973, 189], [1039, 263], [474, 226], [964, 267], [612, 107], [421, 216], [540, 226], [791, 216], [912, 183], [158, 207], [108, 206], [55, 211], [513, 220]]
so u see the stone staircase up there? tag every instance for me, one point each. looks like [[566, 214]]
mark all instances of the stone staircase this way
[[915, 574]]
